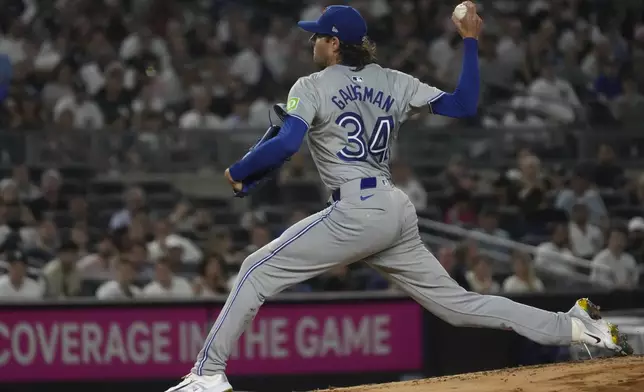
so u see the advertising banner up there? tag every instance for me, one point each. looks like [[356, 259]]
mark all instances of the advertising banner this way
[[138, 342]]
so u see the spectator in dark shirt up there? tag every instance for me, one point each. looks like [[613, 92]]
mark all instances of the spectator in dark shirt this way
[[608, 84], [608, 174], [113, 99], [531, 194], [337, 279], [50, 199], [461, 212]]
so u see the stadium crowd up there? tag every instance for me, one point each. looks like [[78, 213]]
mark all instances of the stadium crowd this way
[[134, 68]]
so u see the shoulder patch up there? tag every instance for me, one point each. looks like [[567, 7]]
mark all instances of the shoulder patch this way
[[292, 104]]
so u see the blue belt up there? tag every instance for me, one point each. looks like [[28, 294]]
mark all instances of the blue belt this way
[[365, 183]]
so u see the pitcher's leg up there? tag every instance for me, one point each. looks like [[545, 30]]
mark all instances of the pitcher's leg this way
[[337, 235], [417, 271]]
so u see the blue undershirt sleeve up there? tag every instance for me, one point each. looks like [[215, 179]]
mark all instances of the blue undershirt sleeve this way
[[273, 152], [463, 101]]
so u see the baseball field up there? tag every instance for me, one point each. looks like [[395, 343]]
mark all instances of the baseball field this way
[[605, 375]]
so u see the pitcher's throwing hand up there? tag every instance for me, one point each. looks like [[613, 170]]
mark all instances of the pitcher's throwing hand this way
[[469, 26]]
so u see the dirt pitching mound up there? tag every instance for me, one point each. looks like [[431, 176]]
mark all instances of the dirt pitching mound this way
[[603, 375]]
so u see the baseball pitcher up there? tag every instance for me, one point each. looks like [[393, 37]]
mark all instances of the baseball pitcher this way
[[349, 113]]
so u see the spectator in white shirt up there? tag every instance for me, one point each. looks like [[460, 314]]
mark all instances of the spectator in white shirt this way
[[613, 267], [100, 265], [586, 239], [212, 280], [122, 287], [15, 285], [200, 116], [583, 190], [403, 177], [555, 254], [134, 198], [166, 284], [524, 279], [480, 278], [85, 111], [248, 64], [557, 96], [165, 239]]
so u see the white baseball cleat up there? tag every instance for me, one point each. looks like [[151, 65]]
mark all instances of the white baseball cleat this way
[[195, 383], [589, 328]]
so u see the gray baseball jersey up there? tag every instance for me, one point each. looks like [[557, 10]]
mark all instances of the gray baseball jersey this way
[[353, 117]]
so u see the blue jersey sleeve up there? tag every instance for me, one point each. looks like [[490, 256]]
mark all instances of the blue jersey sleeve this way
[[273, 152], [463, 101]]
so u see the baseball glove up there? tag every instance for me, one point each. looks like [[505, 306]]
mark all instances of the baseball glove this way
[[256, 180]]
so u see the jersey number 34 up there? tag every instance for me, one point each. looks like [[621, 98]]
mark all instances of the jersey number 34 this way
[[359, 147]]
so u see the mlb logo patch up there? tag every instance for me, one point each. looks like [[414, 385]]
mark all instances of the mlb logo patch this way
[[357, 79], [334, 29]]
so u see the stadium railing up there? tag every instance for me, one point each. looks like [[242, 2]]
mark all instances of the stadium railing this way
[[189, 149], [441, 234]]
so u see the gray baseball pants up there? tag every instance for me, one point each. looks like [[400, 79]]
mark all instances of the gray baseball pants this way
[[381, 230]]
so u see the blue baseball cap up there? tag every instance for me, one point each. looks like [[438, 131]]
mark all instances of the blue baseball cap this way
[[339, 21]]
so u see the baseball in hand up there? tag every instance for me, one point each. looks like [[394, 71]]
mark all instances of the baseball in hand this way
[[460, 11]]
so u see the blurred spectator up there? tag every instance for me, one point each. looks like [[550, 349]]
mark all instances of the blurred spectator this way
[[457, 265], [532, 192], [404, 178], [461, 212], [199, 115], [78, 110], [48, 240], [62, 279], [196, 221], [608, 174], [555, 255], [17, 218], [113, 98], [613, 267], [27, 191], [59, 87], [524, 279], [134, 202], [636, 196], [582, 191], [488, 223], [636, 239], [239, 118], [15, 285], [556, 97], [212, 280], [628, 107], [456, 176], [77, 211], [165, 238], [586, 239], [78, 235], [480, 278], [100, 265], [337, 279], [297, 171], [137, 254], [260, 235], [122, 287], [221, 243], [166, 283], [49, 198], [608, 84]]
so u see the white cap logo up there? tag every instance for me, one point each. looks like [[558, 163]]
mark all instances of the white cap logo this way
[[334, 29]]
